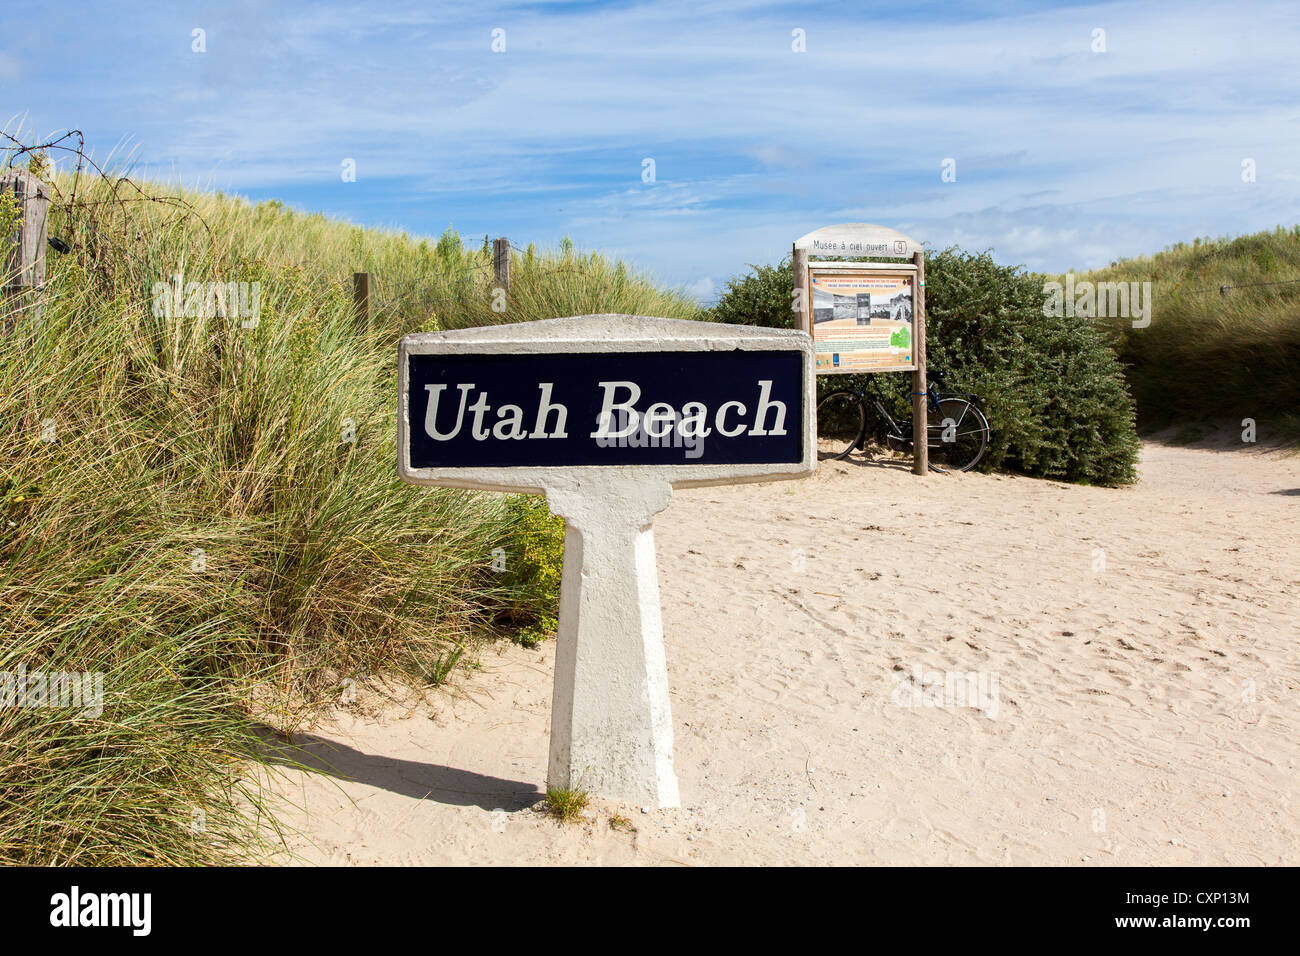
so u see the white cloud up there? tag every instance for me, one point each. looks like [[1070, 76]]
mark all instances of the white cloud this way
[[1064, 157], [702, 290]]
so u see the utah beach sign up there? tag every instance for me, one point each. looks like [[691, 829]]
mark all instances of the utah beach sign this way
[[605, 414]]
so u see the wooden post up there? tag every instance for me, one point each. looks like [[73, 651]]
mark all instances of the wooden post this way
[[22, 270], [501, 262], [803, 320], [361, 299], [920, 429]]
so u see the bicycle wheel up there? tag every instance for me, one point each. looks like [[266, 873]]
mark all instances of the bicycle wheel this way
[[841, 420], [958, 435]]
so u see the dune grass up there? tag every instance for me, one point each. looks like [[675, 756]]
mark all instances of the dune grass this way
[[1211, 355], [203, 508], [566, 805]]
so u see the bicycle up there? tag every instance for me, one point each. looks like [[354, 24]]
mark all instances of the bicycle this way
[[957, 431]]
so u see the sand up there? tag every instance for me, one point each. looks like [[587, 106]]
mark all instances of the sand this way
[[1132, 655]]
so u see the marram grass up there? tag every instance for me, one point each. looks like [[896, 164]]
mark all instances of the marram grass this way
[[1209, 355], [204, 510]]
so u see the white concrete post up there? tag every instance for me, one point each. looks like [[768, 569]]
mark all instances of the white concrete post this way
[[611, 723]]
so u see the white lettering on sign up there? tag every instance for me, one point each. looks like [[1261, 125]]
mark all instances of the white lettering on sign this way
[[508, 415], [544, 408], [619, 402]]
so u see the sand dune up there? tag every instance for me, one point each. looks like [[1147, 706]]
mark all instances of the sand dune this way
[[1133, 655]]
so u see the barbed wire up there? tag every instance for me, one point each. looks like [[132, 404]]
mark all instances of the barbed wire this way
[[85, 217], [1225, 289], [88, 214]]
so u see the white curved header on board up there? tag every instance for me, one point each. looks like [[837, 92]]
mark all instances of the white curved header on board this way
[[858, 239]]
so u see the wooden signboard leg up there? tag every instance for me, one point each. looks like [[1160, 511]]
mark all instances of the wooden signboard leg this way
[[920, 426], [611, 724]]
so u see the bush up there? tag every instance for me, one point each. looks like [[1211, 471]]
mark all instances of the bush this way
[[764, 298], [533, 562], [1052, 389]]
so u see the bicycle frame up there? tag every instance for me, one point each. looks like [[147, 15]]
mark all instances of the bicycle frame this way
[[894, 425], [890, 422]]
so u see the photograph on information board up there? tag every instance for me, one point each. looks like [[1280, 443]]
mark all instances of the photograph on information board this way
[[862, 322]]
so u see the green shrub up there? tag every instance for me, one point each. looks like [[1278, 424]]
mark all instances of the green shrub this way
[[764, 298], [1053, 391], [534, 560]]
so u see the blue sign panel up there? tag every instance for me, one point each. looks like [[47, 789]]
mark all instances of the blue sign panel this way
[[737, 406]]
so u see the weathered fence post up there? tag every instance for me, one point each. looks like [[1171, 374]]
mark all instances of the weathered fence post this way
[[802, 303], [501, 262], [22, 274], [361, 299], [920, 426]]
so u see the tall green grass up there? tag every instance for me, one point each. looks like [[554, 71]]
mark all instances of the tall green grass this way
[[1211, 355], [207, 512]]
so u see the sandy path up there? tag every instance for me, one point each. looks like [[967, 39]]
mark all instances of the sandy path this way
[[1144, 713]]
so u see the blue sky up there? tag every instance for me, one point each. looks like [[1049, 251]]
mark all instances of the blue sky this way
[[1064, 157]]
